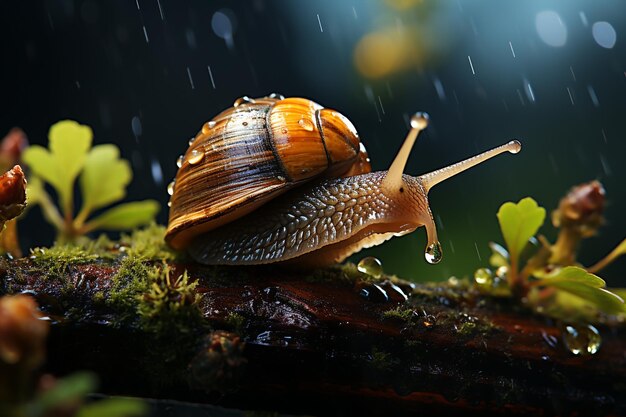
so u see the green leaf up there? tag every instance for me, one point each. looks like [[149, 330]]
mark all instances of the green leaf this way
[[585, 285], [603, 299], [114, 407], [519, 222], [68, 389], [499, 256], [34, 191], [69, 142], [126, 216], [43, 164], [104, 178], [573, 274]]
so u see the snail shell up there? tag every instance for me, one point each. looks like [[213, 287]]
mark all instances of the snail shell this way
[[253, 152]]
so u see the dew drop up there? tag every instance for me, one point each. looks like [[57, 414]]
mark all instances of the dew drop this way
[[502, 272], [284, 130], [371, 266], [242, 100], [429, 320], [195, 156], [306, 124], [419, 120], [277, 96], [245, 123], [170, 187], [179, 161], [582, 340], [206, 128], [191, 140], [433, 253], [169, 203], [483, 278]]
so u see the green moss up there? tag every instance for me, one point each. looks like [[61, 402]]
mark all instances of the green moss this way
[[466, 329], [236, 321], [399, 313], [54, 261], [149, 243], [128, 284], [170, 305], [380, 360]]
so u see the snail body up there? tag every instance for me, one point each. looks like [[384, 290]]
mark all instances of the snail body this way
[[245, 212]]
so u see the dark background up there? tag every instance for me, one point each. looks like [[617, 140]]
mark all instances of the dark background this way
[[137, 72]]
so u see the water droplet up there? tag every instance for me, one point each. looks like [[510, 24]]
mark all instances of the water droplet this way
[[284, 130], [502, 272], [245, 123], [170, 187], [483, 278], [454, 281], [206, 128], [550, 340], [419, 120], [179, 161], [582, 340], [433, 253], [306, 124], [375, 293], [277, 96], [195, 156], [281, 178], [429, 320], [191, 140], [169, 203], [242, 100], [371, 266]]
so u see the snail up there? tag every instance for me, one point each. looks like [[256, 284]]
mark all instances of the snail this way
[[286, 180]]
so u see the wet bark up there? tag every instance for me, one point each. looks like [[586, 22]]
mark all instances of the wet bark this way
[[328, 344]]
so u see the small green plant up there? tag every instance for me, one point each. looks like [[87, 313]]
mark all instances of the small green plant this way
[[545, 275], [103, 178]]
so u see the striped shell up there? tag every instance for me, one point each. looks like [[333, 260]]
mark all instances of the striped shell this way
[[253, 152]]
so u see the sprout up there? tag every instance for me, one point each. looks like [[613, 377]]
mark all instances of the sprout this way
[[103, 177]]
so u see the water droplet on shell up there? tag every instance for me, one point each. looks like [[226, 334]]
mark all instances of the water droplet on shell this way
[[306, 124], [242, 100], [179, 161], [195, 156], [170, 187]]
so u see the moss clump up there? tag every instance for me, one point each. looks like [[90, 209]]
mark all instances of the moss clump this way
[[170, 305], [149, 243], [128, 284], [472, 326], [54, 261], [466, 329], [399, 313], [380, 360], [236, 321]]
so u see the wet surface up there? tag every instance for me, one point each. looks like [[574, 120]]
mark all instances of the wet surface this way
[[445, 348]]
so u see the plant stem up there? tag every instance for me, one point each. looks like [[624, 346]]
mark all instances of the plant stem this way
[[615, 253], [564, 250], [49, 210]]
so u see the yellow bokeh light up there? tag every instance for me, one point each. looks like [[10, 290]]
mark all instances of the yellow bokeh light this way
[[378, 54]]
